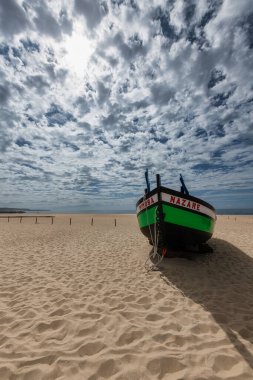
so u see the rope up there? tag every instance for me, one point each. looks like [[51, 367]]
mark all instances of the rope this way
[[153, 254]]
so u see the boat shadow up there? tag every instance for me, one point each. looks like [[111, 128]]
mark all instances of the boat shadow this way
[[222, 283]]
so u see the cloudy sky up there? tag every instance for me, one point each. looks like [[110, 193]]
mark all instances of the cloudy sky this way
[[93, 92]]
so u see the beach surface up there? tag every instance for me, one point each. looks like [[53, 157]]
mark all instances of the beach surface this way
[[77, 302]]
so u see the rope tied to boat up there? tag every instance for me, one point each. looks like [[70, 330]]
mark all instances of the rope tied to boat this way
[[154, 254]]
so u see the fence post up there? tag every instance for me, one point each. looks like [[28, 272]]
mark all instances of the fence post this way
[[115, 222], [36, 221], [52, 220], [8, 219], [20, 220], [92, 221]]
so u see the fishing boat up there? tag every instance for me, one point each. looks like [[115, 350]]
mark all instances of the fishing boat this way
[[170, 218]]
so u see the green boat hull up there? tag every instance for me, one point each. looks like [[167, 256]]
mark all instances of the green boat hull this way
[[186, 220]]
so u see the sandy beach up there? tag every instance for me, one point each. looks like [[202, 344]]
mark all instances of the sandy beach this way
[[76, 302]]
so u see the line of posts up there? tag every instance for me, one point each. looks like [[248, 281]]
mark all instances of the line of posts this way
[[52, 220]]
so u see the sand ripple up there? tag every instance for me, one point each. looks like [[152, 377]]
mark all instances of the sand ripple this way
[[77, 303]]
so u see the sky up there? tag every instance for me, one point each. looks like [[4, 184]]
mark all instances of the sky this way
[[94, 92]]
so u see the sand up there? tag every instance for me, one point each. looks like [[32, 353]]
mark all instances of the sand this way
[[76, 302]]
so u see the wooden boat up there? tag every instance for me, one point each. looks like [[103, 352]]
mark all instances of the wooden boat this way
[[170, 218]]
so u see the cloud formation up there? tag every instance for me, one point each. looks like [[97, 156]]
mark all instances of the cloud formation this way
[[94, 92]]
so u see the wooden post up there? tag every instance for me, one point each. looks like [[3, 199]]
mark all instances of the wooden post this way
[[115, 222], [36, 221], [8, 219], [52, 220], [20, 220], [92, 221], [70, 221]]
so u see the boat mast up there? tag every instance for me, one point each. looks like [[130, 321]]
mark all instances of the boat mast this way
[[183, 187], [159, 213], [147, 182]]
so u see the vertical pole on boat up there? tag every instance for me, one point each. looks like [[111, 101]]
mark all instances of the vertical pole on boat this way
[[158, 180], [160, 209], [147, 181], [183, 187]]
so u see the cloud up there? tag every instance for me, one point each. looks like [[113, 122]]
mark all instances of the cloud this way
[[94, 92], [39, 82], [162, 93], [131, 48], [8, 121], [65, 22], [13, 18], [93, 11], [57, 116], [21, 142], [103, 92], [4, 93], [45, 22]]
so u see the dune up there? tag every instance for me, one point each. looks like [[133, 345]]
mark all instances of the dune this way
[[77, 302]]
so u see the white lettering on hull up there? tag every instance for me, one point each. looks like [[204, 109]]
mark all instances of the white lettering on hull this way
[[177, 201], [188, 204], [147, 202]]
